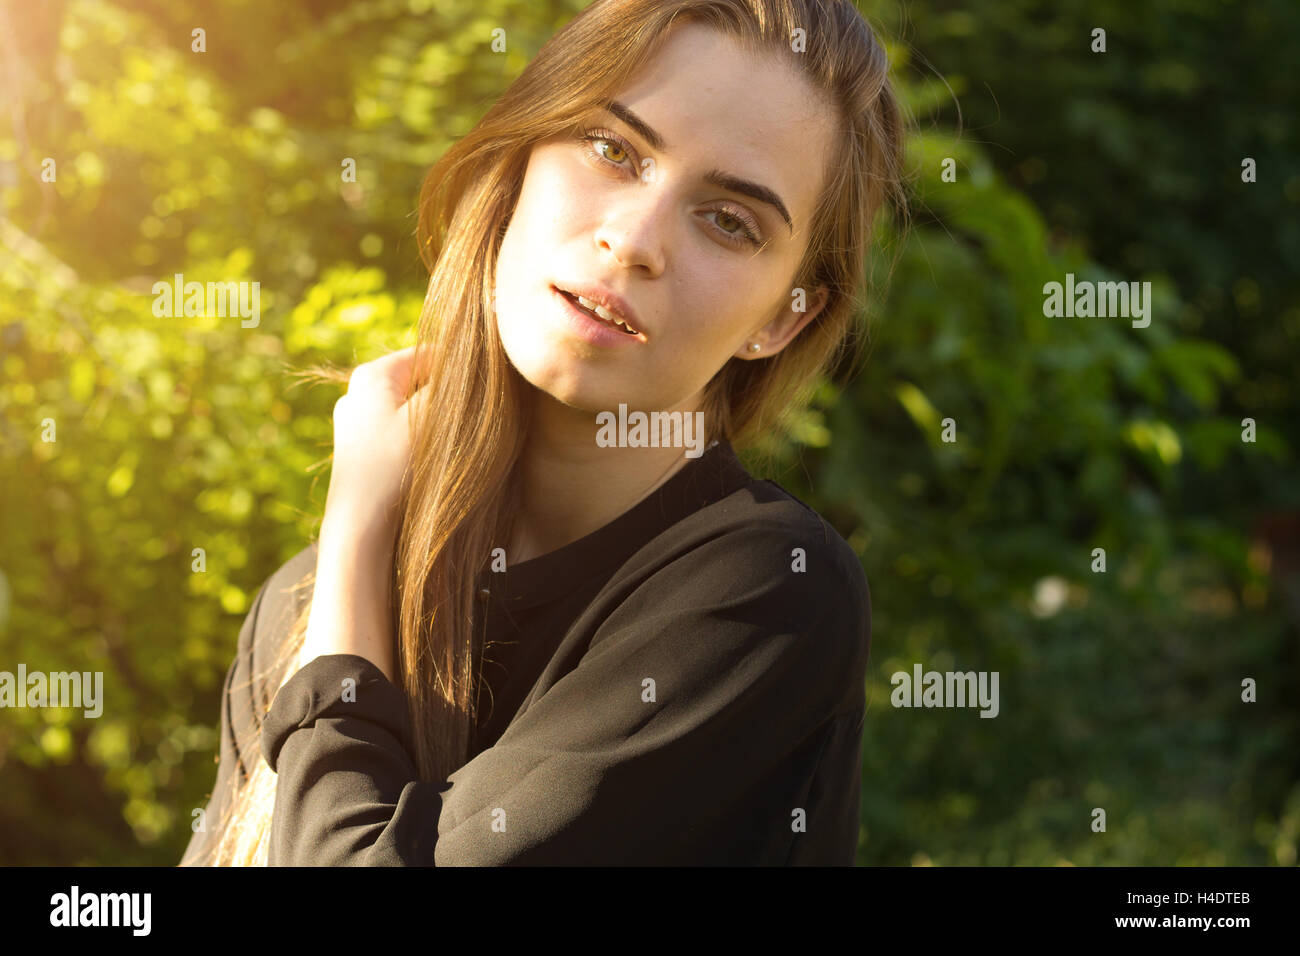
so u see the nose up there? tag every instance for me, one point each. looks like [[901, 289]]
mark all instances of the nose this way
[[635, 227]]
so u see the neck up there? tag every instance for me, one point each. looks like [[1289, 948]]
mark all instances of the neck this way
[[572, 486]]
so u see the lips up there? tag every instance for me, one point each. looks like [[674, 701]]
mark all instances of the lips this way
[[599, 318], [607, 299]]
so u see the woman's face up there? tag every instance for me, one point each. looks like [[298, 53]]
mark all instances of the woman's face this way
[[647, 214]]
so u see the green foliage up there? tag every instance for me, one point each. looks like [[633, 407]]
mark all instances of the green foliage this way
[[1119, 690]]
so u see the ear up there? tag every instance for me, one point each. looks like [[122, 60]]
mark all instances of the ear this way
[[781, 331]]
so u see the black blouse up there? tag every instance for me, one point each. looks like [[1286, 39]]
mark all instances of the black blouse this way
[[683, 686]]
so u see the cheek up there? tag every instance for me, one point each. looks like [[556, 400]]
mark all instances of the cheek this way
[[513, 279], [718, 307], [516, 307], [552, 196]]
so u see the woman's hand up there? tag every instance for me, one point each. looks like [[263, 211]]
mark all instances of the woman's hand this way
[[372, 446], [350, 612]]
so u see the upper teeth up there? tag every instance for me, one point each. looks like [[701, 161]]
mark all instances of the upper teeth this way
[[604, 313]]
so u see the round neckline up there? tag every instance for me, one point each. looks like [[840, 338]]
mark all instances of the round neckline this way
[[709, 478]]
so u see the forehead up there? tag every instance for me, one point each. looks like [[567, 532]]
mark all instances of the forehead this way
[[750, 114]]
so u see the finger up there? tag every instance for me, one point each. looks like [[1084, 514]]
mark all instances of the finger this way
[[392, 370], [397, 365], [422, 396], [389, 364], [419, 403]]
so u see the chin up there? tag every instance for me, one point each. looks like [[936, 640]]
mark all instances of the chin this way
[[563, 382]]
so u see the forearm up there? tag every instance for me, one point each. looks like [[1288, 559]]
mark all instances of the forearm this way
[[347, 788], [350, 608]]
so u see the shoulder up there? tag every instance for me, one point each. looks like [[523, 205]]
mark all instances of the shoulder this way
[[766, 578], [818, 587], [283, 593], [824, 563], [763, 535], [261, 660]]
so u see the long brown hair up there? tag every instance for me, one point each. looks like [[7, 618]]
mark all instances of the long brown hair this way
[[463, 484]]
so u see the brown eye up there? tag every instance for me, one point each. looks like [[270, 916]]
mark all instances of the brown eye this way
[[600, 144], [736, 228], [615, 149], [736, 224]]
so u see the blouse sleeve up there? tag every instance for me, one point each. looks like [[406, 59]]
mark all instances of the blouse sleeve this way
[[693, 694]]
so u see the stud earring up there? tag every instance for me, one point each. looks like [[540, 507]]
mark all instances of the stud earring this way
[[754, 346]]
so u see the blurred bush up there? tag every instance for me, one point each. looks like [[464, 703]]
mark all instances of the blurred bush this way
[[1119, 690]]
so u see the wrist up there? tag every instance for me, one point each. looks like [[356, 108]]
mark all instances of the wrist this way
[[351, 610], [350, 537]]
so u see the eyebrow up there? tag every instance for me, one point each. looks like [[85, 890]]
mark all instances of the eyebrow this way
[[716, 177]]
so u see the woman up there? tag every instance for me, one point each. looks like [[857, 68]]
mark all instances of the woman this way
[[523, 644]]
